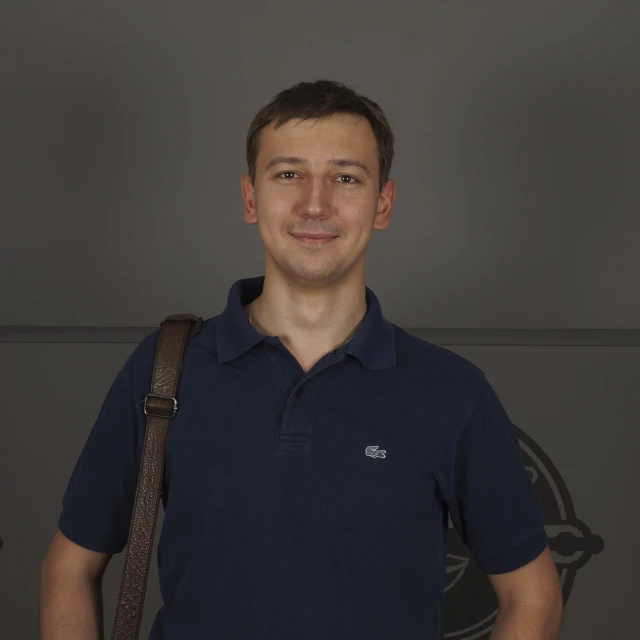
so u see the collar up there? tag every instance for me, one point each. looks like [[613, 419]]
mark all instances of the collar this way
[[373, 344]]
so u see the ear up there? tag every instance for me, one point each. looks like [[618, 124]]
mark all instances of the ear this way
[[386, 200], [248, 195]]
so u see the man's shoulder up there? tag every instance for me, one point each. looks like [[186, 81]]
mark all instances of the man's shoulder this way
[[438, 377], [138, 367], [434, 359]]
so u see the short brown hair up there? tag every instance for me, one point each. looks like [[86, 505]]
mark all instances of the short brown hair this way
[[316, 100]]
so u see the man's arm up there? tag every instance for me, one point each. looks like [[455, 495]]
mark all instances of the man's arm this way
[[529, 600], [71, 591]]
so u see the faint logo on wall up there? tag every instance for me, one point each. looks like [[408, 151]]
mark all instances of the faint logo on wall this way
[[471, 606]]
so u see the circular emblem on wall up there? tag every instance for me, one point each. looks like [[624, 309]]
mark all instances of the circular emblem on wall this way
[[471, 605]]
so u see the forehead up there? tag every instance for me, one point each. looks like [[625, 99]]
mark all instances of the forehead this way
[[331, 135]]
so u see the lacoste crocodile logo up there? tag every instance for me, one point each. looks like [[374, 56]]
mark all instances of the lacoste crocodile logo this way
[[374, 452]]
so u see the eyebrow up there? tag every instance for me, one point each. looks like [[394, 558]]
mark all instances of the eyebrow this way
[[337, 162]]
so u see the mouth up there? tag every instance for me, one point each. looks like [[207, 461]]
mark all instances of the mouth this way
[[313, 240]]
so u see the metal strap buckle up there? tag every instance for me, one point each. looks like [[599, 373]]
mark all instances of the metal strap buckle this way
[[161, 415]]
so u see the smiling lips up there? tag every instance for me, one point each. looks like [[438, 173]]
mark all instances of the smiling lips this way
[[313, 238], [312, 235]]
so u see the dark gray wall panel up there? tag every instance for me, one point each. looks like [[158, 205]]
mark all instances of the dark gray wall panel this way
[[579, 404], [123, 129]]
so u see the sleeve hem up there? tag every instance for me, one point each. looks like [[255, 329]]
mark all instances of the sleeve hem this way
[[516, 557], [86, 539]]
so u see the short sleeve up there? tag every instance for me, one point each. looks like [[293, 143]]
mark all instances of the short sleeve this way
[[493, 504], [98, 501]]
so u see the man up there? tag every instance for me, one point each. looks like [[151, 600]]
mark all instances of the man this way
[[319, 449]]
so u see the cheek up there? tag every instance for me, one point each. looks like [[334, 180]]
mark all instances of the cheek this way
[[275, 209], [359, 216], [274, 227]]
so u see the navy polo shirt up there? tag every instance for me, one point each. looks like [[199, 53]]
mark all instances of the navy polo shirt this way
[[310, 506]]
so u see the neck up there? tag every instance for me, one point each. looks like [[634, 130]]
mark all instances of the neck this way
[[316, 321]]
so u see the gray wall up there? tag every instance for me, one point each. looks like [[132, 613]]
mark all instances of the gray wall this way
[[514, 239]]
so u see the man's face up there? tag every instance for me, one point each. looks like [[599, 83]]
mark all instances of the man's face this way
[[300, 188]]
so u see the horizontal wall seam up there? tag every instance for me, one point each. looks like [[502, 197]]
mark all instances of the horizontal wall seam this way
[[493, 337]]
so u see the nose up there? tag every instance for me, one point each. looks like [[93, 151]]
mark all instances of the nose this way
[[316, 199]]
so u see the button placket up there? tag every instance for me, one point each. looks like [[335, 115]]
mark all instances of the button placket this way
[[302, 428]]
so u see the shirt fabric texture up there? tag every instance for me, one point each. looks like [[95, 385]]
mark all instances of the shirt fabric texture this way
[[279, 522]]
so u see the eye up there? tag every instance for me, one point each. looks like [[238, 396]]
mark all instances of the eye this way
[[351, 177]]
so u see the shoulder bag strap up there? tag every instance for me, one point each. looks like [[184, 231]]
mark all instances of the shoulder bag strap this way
[[160, 407]]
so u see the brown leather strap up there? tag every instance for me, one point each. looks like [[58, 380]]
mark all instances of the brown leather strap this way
[[160, 407]]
